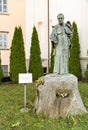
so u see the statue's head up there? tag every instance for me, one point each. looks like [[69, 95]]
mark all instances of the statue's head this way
[[60, 18]]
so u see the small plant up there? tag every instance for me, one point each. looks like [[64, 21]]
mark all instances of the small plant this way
[[86, 72]]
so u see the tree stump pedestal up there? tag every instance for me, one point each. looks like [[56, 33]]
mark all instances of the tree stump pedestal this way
[[58, 96]]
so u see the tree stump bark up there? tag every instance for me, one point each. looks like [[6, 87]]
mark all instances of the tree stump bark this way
[[58, 96]]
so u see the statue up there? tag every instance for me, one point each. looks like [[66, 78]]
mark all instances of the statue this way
[[58, 95], [60, 39]]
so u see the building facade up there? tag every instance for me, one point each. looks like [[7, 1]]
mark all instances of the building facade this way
[[12, 14], [43, 15]]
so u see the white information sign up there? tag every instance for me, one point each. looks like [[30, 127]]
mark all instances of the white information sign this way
[[25, 78]]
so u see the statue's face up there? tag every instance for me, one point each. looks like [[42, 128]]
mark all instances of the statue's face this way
[[60, 19]]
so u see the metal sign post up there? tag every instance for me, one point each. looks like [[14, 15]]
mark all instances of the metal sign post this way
[[24, 96], [25, 78]]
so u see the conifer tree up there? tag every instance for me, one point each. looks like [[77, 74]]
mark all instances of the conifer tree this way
[[17, 56], [51, 62], [1, 71], [35, 63], [74, 61], [86, 72]]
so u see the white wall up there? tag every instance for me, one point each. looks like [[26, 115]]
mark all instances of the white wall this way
[[73, 10], [36, 14]]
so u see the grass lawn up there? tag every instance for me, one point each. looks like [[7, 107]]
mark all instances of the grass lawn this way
[[12, 100]]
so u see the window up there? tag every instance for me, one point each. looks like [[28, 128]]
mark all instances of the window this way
[[5, 70], [3, 40], [3, 6]]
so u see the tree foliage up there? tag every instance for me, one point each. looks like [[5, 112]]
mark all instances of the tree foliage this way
[[1, 71], [51, 62], [74, 61], [86, 72], [17, 56], [35, 63]]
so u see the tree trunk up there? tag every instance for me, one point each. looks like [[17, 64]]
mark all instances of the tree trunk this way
[[58, 96]]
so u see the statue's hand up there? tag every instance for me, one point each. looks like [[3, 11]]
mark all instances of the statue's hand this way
[[54, 44]]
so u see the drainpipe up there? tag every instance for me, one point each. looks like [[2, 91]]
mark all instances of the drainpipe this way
[[48, 33]]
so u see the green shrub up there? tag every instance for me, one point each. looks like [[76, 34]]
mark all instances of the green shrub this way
[[51, 62], [86, 72], [17, 56], [74, 60], [35, 63]]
